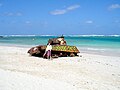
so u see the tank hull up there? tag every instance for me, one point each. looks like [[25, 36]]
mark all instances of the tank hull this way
[[57, 50]]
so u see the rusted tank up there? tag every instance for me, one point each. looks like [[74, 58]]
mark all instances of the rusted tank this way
[[57, 41], [59, 49]]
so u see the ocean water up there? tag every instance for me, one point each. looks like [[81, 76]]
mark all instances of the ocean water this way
[[99, 44]]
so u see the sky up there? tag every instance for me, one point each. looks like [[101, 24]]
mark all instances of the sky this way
[[57, 17]]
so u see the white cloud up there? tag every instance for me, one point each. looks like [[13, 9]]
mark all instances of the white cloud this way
[[114, 6], [89, 22], [65, 10], [11, 14], [73, 7], [57, 12]]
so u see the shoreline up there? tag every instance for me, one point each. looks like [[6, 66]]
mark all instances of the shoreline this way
[[86, 50], [90, 71]]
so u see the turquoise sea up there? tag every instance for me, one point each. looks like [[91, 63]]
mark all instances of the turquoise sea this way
[[99, 44]]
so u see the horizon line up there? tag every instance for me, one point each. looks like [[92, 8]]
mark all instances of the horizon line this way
[[62, 34]]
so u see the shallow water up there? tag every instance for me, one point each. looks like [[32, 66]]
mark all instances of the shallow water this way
[[109, 45]]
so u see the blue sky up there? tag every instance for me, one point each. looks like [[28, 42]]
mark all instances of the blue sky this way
[[58, 17]]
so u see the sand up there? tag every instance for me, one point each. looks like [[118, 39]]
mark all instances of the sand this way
[[20, 71]]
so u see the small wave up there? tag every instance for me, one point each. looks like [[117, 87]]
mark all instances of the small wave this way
[[18, 35], [25, 35], [48, 35], [83, 35], [64, 35], [115, 35], [96, 49], [92, 35]]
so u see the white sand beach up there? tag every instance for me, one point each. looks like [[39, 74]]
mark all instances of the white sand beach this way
[[20, 71]]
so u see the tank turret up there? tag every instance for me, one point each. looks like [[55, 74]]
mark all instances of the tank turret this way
[[57, 41]]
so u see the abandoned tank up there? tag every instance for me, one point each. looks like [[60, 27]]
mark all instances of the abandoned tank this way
[[59, 49]]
